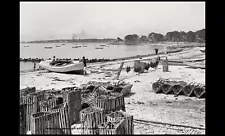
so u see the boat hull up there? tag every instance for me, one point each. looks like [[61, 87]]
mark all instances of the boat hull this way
[[75, 67]]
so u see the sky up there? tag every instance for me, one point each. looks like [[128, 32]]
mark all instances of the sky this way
[[59, 20]]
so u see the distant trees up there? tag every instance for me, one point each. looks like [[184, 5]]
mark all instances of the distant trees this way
[[144, 38], [156, 37], [131, 39]]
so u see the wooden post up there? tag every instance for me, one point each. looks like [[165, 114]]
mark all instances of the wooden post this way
[[121, 66]]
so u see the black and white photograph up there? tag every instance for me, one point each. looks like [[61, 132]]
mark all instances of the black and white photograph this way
[[112, 68]]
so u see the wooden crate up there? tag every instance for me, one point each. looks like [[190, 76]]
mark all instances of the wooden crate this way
[[112, 128], [26, 91], [64, 122], [112, 102], [119, 115], [23, 108], [46, 105], [90, 118], [73, 99], [45, 123]]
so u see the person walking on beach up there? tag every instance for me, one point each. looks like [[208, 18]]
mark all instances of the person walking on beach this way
[[156, 51], [84, 61]]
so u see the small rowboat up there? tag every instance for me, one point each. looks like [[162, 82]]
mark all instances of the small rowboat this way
[[98, 48], [173, 50], [62, 66], [48, 47], [202, 51]]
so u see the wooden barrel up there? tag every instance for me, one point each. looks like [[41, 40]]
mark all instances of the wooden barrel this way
[[165, 65]]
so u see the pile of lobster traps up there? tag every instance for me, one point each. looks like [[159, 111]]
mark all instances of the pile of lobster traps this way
[[167, 86]]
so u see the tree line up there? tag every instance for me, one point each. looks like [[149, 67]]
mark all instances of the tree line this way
[[174, 36]]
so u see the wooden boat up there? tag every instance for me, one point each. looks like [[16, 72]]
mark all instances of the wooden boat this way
[[173, 50], [67, 66], [202, 51], [98, 48], [48, 47], [196, 65]]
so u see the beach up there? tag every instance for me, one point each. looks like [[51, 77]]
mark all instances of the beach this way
[[142, 103]]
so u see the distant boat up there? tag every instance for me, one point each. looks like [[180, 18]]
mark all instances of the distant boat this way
[[98, 48], [202, 51], [57, 46], [102, 45], [48, 47], [63, 44], [84, 46], [25, 46], [62, 66], [75, 47]]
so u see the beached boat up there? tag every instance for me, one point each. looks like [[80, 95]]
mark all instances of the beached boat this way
[[173, 50], [98, 48], [202, 51], [62, 66], [48, 47], [200, 65]]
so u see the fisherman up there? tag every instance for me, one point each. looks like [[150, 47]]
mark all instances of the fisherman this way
[[34, 65], [84, 61], [156, 51], [53, 61]]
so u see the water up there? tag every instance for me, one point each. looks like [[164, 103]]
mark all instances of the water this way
[[37, 50]]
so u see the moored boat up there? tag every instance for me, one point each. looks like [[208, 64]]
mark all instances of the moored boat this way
[[98, 48], [48, 47], [67, 66]]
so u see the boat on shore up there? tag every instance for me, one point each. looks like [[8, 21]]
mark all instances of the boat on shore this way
[[62, 66], [203, 51], [173, 50], [200, 65]]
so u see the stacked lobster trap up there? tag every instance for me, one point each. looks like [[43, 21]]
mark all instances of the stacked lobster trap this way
[[104, 104], [167, 86]]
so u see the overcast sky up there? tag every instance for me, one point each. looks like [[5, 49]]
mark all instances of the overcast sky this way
[[54, 20]]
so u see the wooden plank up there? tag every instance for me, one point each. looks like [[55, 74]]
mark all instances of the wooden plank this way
[[119, 71]]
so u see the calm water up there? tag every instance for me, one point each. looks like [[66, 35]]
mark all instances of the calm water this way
[[37, 50]]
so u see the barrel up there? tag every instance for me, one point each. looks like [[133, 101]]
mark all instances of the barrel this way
[[165, 65]]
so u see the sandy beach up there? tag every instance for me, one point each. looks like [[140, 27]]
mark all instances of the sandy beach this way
[[142, 103]]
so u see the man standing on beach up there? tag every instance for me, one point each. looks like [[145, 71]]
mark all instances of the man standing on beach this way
[[84, 61], [156, 51]]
